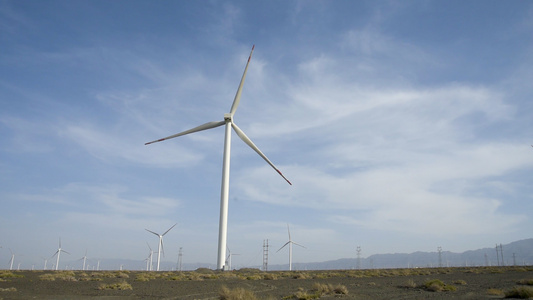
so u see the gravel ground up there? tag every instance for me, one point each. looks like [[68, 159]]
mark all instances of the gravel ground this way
[[469, 283]]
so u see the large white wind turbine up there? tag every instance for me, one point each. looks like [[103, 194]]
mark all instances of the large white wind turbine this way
[[160, 245], [224, 192], [58, 253], [290, 242]]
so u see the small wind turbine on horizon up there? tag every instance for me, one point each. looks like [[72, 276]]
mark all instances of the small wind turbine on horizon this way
[[160, 245], [149, 264], [84, 258], [11, 260], [224, 192], [45, 261], [58, 253], [290, 242]]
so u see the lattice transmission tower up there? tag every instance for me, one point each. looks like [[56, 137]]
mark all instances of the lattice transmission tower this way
[[265, 255]]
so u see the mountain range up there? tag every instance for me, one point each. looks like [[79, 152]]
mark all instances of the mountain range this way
[[515, 253]]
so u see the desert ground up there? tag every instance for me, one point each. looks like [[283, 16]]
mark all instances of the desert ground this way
[[420, 283]]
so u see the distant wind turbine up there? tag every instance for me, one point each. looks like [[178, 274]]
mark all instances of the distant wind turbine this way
[[160, 245], [224, 191], [45, 261], [290, 242], [149, 259], [84, 258], [11, 260], [58, 253]]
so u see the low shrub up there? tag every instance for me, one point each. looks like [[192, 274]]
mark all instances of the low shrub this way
[[459, 282], [437, 285], [236, 294], [123, 285], [270, 276], [410, 284], [520, 292], [526, 282]]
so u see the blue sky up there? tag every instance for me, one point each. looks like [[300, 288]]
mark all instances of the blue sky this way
[[403, 126]]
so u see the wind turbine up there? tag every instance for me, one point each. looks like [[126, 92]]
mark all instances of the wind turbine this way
[[160, 245], [11, 260], [58, 253], [149, 259], [290, 242], [224, 191], [45, 261], [84, 259]]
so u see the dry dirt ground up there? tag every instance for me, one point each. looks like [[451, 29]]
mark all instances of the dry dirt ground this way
[[465, 283]]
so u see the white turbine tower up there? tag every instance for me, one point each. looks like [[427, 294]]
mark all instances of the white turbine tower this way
[[84, 258], [58, 253], [11, 260], [45, 262], [149, 259], [224, 192], [160, 245], [290, 242]]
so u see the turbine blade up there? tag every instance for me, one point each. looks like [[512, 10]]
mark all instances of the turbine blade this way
[[151, 232], [149, 246], [299, 245], [205, 126], [289, 231], [170, 229], [283, 246], [249, 142], [239, 90], [65, 251]]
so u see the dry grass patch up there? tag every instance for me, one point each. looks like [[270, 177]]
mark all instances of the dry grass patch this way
[[8, 274], [495, 292], [410, 284], [11, 289]]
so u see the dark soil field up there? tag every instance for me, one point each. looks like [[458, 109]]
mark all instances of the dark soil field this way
[[427, 283]]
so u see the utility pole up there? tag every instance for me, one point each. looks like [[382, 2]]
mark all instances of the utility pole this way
[[486, 260], [514, 259], [358, 257], [265, 255], [439, 249], [501, 253], [180, 259]]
